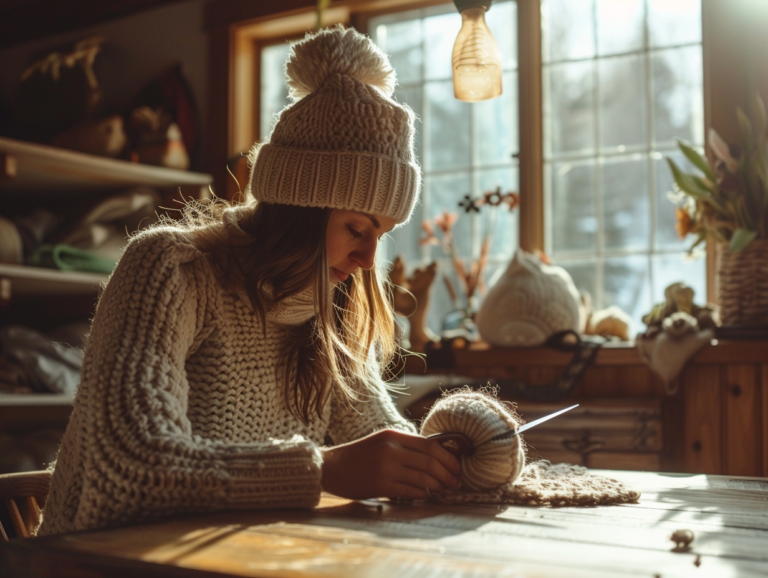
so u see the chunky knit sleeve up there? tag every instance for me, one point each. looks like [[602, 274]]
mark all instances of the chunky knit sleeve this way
[[132, 453], [372, 411]]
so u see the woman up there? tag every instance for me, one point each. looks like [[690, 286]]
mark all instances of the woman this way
[[225, 354]]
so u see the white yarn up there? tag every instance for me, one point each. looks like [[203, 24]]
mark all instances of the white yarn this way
[[479, 417], [530, 302], [337, 50]]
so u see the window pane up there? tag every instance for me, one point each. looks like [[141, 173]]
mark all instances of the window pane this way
[[405, 240], [675, 267], [440, 33], [677, 91], [465, 149], [568, 30], [626, 214], [627, 285], [402, 42], [495, 125], [446, 122], [569, 121], [619, 26], [583, 274], [274, 93], [413, 97], [445, 192], [501, 20], [573, 219], [505, 223], [623, 119], [613, 116], [674, 22]]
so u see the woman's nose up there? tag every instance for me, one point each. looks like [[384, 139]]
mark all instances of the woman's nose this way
[[364, 256]]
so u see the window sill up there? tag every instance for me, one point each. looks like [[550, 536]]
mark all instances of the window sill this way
[[483, 358]]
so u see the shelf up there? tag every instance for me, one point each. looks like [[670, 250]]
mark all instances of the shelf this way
[[37, 281], [41, 168], [35, 399]]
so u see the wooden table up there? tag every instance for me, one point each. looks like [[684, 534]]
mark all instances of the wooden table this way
[[728, 516]]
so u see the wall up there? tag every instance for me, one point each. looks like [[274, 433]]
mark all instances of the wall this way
[[139, 47]]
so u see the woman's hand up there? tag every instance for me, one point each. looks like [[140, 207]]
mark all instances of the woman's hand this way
[[390, 464]]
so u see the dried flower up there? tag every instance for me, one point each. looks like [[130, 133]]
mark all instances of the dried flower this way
[[430, 238], [469, 272], [469, 204], [513, 200], [729, 201], [683, 222], [446, 221], [494, 198]]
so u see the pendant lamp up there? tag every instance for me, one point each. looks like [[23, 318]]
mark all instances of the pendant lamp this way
[[476, 56]]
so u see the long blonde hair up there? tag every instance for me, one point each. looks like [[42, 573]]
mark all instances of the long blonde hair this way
[[278, 251]]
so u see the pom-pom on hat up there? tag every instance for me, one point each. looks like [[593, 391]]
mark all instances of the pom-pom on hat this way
[[344, 143]]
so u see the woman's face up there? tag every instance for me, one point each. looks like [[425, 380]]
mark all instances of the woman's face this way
[[351, 241]]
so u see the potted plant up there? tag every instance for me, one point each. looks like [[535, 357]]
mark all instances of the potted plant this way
[[728, 204]]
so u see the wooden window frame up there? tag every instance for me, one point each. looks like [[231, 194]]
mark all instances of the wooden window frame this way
[[238, 27]]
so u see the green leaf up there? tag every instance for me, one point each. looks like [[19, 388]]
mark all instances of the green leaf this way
[[758, 113], [699, 162], [687, 183], [745, 126], [740, 239]]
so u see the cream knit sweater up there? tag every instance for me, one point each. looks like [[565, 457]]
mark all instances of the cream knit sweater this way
[[179, 409]]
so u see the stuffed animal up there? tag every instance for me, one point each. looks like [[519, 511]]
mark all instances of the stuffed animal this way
[[679, 297]]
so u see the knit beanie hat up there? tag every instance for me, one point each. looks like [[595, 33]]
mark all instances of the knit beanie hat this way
[[344, 142]]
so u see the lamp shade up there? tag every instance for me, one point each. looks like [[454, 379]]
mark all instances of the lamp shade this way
[[476, 60]]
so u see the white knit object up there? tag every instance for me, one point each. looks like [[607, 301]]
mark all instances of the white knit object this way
[[344, 143], [496, 472], [479, 417], [180, 410], [529, 303]]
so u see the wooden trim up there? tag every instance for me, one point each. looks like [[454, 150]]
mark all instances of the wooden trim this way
[[530, 125], [27, 21], [734, 45], [702, 420], [228, 12], [219, 107], [741, 413], [484, 357], [763, 391], [359, 19]]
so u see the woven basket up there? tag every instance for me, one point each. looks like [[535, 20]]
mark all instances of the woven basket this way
[[741, 284]]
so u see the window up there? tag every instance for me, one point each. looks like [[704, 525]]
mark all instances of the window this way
[[463, 148], [622, 80], [273, 95]]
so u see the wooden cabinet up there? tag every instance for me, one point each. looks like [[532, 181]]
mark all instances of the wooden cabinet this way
[[716, 421], [33, 176]]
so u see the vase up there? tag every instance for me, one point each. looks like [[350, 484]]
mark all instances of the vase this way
[[741, 284]]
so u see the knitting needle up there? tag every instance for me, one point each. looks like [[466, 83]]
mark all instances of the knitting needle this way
[[513, 432], [459, 444]]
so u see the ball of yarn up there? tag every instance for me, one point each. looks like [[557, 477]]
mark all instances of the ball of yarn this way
[[480, 418], [337, 51]]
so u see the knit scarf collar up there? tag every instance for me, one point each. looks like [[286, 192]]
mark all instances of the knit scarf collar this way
[[294, 310]]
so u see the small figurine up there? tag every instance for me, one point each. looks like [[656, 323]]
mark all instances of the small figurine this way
[[157, 140], [679, 297], [682, 540], [411, 300]]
